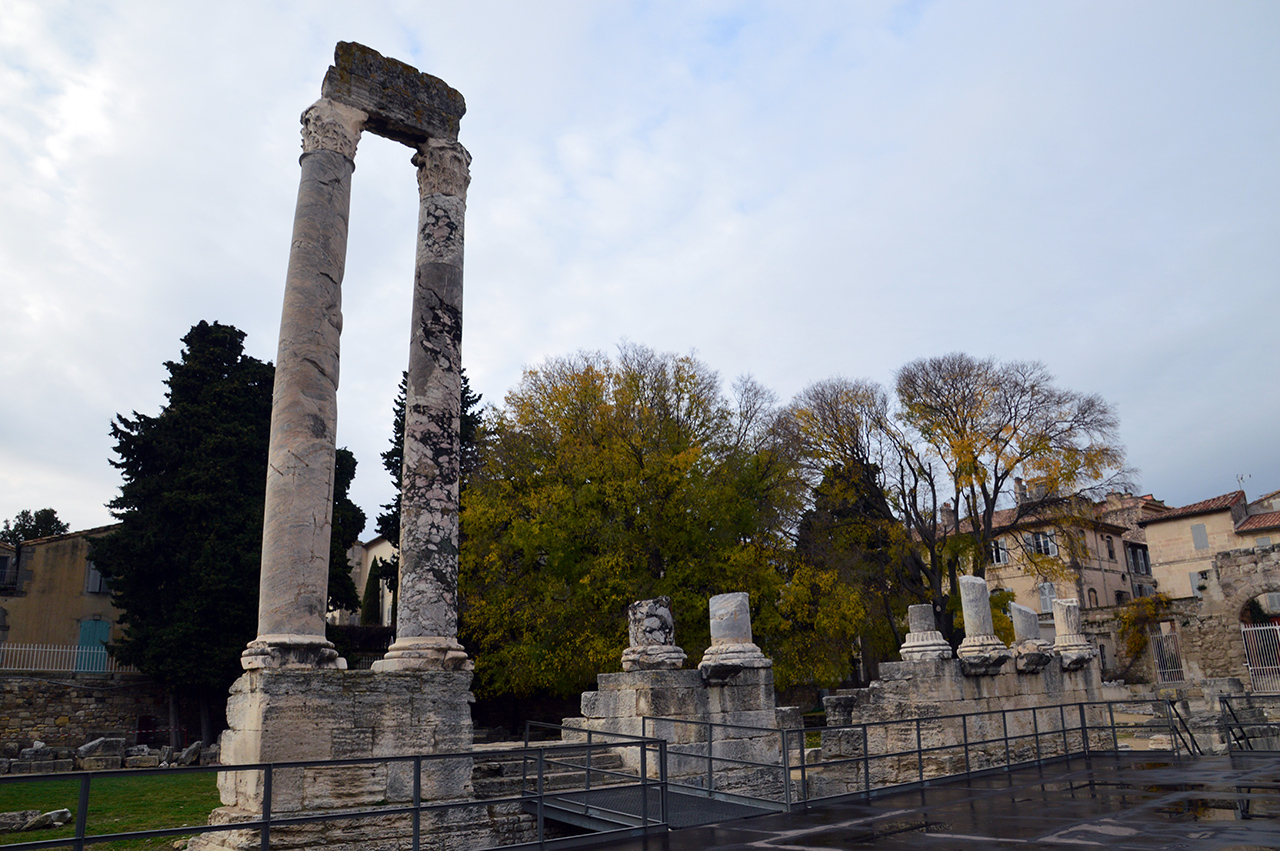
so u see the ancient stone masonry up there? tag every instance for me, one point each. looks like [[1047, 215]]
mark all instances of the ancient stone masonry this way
[[733, 685], [365, 91], [981, 652], [1070, 643], [1030, 652], [295, 703], [651, 630], [923, 640]]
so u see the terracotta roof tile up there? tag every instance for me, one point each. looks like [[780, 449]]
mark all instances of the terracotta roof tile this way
[[1218, 503], [1270, 520]]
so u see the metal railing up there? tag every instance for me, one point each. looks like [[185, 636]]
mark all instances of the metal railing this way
[[891, 755], [264, 780], [60, 658], [1251, 721]]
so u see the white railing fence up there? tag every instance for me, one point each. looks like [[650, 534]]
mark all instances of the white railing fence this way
[[59, 658]]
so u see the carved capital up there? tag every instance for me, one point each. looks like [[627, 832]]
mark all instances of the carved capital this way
[[331, 126], [443, 168]]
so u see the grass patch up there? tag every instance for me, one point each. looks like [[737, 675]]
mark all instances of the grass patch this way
[[118, 804]]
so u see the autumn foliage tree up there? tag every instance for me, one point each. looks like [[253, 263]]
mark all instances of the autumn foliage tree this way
[[607, 480]]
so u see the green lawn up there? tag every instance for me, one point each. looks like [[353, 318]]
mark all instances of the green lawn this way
[[116, 804]]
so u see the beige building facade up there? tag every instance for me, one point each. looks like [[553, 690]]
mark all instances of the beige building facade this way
[[1183, 541], [51, 594]]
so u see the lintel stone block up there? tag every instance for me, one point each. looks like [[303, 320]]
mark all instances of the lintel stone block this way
[[403, 104]]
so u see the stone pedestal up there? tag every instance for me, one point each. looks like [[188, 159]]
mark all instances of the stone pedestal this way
[[731, 648], [1070, 642], [923, 641], [981, 652], [1030, 652], [297, 715], [651, 631]]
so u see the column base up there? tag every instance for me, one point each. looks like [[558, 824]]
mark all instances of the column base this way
[[290, 651], [425, 653]]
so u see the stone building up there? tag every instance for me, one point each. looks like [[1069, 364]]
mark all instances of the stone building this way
[[1184, 541], [51, 595]]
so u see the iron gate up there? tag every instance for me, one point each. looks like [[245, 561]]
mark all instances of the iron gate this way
[[1262, 654]]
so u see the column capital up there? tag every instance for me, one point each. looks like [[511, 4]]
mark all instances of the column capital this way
[[444, 168], [331, 126]]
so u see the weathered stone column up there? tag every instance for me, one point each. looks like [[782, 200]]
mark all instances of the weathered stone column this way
[[731, 647], [1069, 639], [651, 630], [293, 595], [981, 652], [427, 613], [1030, 652], [924, 641]]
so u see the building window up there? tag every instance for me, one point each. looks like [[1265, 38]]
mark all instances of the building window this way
[[1093, 599], [1047, 595], [1122, 597], [1138, 559], [1111, 548], [1199, 537], [999, 552], [1042, 543], [94, 583], [8, 574]]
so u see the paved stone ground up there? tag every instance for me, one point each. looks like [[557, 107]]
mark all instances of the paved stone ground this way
[[1118, 802]]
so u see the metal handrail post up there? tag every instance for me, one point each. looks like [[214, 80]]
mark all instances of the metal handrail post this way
[[1004, 726], [524, 762], [710, 773], [1062, 721], [82, 813], [266, 809], [786, 771], [1174, 735], [588, 783], [644, 787], [804, 760], [1035, 730], [542, 834], [866, 762], [1111, 713], [964, 728], [417, 803], [919, 752], [662, 780], [1084, 728]]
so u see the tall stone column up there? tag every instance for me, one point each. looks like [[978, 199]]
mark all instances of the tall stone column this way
[[427, 607], [981, 652], [1069, 640], [293, 595]]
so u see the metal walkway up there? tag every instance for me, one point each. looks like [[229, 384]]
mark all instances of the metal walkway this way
[[1117, 802], [607, 808]]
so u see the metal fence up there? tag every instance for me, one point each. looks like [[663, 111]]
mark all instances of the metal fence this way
[[1262, 655], [416, 811], [1167, 653], [891, 755], [59, 658]]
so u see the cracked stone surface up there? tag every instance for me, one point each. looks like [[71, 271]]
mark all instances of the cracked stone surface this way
[[923, 641], [731, 647], [293, 594], [651, 631]]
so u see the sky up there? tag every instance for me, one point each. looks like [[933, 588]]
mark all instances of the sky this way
[[790, 190]]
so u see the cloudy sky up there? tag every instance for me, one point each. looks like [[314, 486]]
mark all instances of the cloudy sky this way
[[793, 190]]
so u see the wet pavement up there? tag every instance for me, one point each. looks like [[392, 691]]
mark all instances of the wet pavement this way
[[1116, 801]]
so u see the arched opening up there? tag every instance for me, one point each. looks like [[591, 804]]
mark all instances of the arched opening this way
[[1260, 629]]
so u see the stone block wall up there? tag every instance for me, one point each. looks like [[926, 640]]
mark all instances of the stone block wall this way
[[65, 710], [932, 691], [686, 703]]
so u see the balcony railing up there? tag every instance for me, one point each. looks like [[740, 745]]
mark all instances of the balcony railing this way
[[59, 658]]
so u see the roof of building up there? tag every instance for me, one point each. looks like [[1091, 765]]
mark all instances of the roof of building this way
[[1269, 520], [97, 530], [1206, 506]]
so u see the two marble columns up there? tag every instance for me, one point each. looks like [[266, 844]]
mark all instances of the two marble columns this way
[[366, 92]]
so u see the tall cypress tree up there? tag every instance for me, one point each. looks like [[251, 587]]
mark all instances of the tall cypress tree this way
[[184, 565]]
